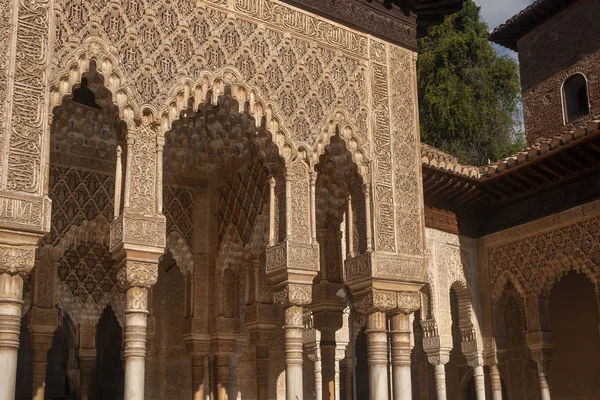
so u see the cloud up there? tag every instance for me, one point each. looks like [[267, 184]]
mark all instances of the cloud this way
[[496, 12]]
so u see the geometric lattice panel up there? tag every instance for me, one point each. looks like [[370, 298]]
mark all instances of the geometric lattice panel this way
[[242, 199], [89, 270], [178, 208], [78, 195]]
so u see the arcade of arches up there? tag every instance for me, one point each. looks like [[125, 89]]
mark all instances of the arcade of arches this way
[[224, 200]]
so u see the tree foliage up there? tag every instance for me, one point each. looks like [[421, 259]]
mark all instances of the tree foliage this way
[[469, 96]]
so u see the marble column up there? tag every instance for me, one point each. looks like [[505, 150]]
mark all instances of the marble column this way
[[377, 354], [401, 349], [540, 344], [198, 376], [222, 375], [87, 364], [293, 352], [440, 381], [496, 382], [543, 381], [328, 363], [262, 372], [348, 367], [316, 358], [479, 378], [40, 344], [11, 303], [136, 316]]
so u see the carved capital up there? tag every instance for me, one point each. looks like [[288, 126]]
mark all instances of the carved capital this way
[[375, 301], [138, 274], [16, 260], [291, 294], [408, 302], [440, 358]]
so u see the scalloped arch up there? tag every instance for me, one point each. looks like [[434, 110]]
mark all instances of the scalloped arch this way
[[500, 284], [69, 74], [355, 144], [187, 87], [557, 269]]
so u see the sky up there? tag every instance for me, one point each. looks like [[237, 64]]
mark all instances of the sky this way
[[496, 12]]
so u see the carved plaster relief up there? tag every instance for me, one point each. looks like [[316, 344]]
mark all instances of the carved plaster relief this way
[[452, 266]]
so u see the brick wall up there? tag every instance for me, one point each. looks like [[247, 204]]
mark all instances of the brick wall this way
[[566, 44]]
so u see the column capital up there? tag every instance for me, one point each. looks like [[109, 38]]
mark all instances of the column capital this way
[[372, 300], [439, 358], [16, 259], [137, 274]]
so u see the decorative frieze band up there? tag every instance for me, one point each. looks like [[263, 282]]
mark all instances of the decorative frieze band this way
[[293, 20], [293, 255], [141, 230], [373, 265], [24, 212]]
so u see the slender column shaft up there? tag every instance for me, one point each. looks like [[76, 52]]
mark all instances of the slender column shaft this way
[[233, 388], [544, 386], [159, 171], [401, 349], [293, 353], [348, 383], [318, 379], [328, 363], [40, 344], [337, 380], [87, 367], [479, 378], [496, 383], [222, 376], [136, 316], [11, 303], [198, 376], [377, 356], [262, 372], [440, 381]]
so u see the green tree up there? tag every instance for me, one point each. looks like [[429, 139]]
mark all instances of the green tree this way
[[469, 96]]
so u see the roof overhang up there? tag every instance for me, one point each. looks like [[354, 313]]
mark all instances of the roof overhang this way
[[509, 33]]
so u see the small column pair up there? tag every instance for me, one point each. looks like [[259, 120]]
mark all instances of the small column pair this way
[[377, 343]]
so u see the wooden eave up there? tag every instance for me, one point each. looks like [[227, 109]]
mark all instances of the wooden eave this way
[[574, 161], [540, 11]]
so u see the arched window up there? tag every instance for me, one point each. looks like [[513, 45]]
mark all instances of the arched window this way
[[575, 97]]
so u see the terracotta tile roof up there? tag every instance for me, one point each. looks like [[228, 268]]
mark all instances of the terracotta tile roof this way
[[434, 158], [528, 19]]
